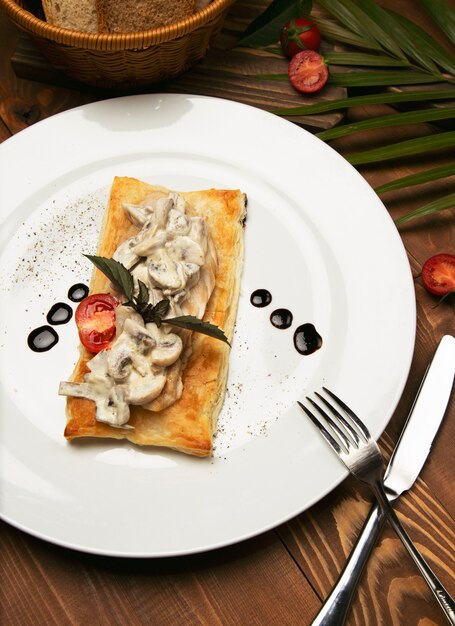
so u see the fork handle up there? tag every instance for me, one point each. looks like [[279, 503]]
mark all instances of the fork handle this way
[[335, 609], [442, 596]]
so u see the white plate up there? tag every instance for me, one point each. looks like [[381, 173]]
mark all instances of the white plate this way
[[317, 237]]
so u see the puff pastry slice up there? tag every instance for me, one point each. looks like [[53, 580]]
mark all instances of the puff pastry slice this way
[[189, 423]]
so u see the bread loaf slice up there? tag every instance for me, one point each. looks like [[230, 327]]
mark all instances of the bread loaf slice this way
[[137, 15], [79, 15], [112, 16]]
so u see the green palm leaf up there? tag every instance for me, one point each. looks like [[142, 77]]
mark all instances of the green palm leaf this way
[[446, 202], [375, 98], [417, 179], [400, 34], [380, 78], [396, 119], [421, 41], [332, 31], [443, 15], [360, 58], [351, 16], [404, 148]]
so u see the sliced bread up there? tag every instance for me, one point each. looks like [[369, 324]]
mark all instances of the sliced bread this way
[[137, 15], [79, 15]]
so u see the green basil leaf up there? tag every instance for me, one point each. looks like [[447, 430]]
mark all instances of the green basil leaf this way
[[161, 308], [143, 296], [195, 324], [265, 29], [116, 272]]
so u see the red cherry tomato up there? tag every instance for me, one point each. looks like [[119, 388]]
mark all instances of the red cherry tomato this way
[[95, 320], [299, 34], [438, 274], [307, 71]]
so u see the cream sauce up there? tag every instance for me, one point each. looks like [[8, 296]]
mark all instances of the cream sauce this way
[[168, 255]]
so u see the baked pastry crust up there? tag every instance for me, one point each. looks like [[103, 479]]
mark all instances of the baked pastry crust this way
[[188, 424]]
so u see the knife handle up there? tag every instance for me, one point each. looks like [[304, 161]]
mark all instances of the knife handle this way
[[445, 600], [335, 609]]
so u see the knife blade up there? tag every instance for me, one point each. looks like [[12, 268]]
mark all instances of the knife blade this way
[[405, 464], [423, 422]]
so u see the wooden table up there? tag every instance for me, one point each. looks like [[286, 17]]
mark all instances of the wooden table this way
[[282, 576]]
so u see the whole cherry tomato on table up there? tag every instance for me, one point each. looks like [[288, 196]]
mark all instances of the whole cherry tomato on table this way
[[438, 274], [299, 34], [95, 319], [307, 71]]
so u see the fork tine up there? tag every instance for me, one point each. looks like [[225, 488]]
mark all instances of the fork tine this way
[[352, 432], [324, 432], [360, 425], [334, 425]]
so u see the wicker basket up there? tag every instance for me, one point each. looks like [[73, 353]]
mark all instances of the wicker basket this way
[[127, 59]]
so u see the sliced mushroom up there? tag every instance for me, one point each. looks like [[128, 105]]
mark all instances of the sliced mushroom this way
[[139, 336], [120, 362], [167, 350], [75, 390], [97, 365], [140, 213], [179, 201], [185, 249], [137, 214], [125, 253], [177, 223], [113, 408], [198, 231], [149, 244], [163, 272], [143, 389], [140, 273], [123, 313]]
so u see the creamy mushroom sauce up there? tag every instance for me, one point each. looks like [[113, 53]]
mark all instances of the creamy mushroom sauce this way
[[168, 255]]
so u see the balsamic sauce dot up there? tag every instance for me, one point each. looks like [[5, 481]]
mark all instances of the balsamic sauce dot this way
[[281, 318], [42, 339], [306, 339], [78, 292], [261, 298], [60, 313]]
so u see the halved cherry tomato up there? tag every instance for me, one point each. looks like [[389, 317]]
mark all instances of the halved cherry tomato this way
[[299, 34], [95, 320], [307, 71], [438, 274]]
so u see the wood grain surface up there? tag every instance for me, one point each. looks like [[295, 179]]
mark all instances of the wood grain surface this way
[[282, 576]]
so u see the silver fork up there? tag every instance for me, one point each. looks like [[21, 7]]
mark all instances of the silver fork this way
[[348, 436]]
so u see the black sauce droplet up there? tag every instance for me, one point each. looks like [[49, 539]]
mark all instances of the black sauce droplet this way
[[59, 313], [281, 318], [78, 292], [261, 298], [307, 339], [42, 339]]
